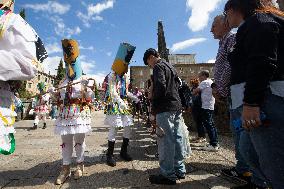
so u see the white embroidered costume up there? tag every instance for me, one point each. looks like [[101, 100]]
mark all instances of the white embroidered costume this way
[[73, 116], [18, 61]]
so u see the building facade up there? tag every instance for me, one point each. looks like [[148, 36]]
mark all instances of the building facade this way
[[139, 75], [182, 59], [41, 76]]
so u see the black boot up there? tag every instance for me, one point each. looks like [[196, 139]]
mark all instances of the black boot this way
[[110, 159], [44, 126], [34, 127], [123, 153]]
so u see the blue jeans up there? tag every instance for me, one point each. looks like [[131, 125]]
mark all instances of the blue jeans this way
[[241, 165], [196, 114], [170, 146], [268, 142], [209, 125]]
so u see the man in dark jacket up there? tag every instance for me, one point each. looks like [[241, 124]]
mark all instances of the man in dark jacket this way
[[167, 107]]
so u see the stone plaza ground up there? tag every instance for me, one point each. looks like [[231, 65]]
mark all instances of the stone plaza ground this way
[[37, 160]]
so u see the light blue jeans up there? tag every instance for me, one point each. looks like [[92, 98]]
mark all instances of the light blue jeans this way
[[170, 146]]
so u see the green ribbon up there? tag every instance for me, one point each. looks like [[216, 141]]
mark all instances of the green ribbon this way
[[12, 149]]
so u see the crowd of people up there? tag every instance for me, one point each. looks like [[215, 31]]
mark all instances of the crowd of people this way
[[248, 78]]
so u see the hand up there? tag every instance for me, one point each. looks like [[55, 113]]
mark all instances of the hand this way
[[251, 117], [154, 126]]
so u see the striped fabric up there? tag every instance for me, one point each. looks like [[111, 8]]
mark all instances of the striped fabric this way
[[222, 69]]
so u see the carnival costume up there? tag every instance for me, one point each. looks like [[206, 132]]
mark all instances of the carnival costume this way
[[117, 111], [20, 51], [74, 112], [41, 106]]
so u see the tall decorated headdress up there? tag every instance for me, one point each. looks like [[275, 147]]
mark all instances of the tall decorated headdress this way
[[122, 59], [71, 54]]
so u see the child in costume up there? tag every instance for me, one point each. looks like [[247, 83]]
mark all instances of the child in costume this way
[[20, 51], [41, 106], [117, 111], [74, 112]]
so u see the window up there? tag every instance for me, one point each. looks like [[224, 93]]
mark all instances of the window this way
[[38, 77], [30, 85], [46, 79], [141, 72]]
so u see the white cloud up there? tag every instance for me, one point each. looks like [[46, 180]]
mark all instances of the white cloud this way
[[87, 65], [211, 61], [53, 48], [109, 53], [50, 64], [200, 11], [99, 77], [61, 29], [94, 11], [90, 48], [185, 44], [98, 18], [51, 7]]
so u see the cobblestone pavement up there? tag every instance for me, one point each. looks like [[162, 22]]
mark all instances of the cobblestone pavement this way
[[37, 160]]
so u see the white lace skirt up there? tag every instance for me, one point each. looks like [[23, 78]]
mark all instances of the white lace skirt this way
[[72, 126], [119, 120]]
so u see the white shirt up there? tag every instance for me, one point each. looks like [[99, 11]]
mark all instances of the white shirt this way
[[207, 99]]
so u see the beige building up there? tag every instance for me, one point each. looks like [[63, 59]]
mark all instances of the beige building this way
[[40, 77], [139, 75], [182, 59]]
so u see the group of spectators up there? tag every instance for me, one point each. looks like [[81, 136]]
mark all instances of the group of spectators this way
[[249, 78]]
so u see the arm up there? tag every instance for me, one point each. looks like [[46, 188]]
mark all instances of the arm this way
[[159, 85], [18, 51], [261, 48], [196, 91]]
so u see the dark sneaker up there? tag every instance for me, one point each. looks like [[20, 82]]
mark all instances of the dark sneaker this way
[[180, 177], [249, 186], [232, 173], [160, 179]]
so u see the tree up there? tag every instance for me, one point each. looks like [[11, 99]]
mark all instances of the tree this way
[[23, 14], [60, 73], [97, 96]]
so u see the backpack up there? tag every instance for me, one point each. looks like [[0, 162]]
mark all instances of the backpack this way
[[183, 89]]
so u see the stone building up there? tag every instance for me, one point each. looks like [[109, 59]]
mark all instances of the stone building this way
[[182, 59], [41, 76], [186, 71]]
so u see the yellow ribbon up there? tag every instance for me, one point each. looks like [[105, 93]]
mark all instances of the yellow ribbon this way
[[5, 120]]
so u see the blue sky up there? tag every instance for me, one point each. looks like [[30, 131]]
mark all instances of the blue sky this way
[[100, 25]]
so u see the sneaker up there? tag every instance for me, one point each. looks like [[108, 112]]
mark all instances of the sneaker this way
[[160, 179], [198, 140], [180, 177], [232, 173], [211, 148]]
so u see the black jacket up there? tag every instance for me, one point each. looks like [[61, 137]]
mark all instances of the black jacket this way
[[257, 57], [165, 88]]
